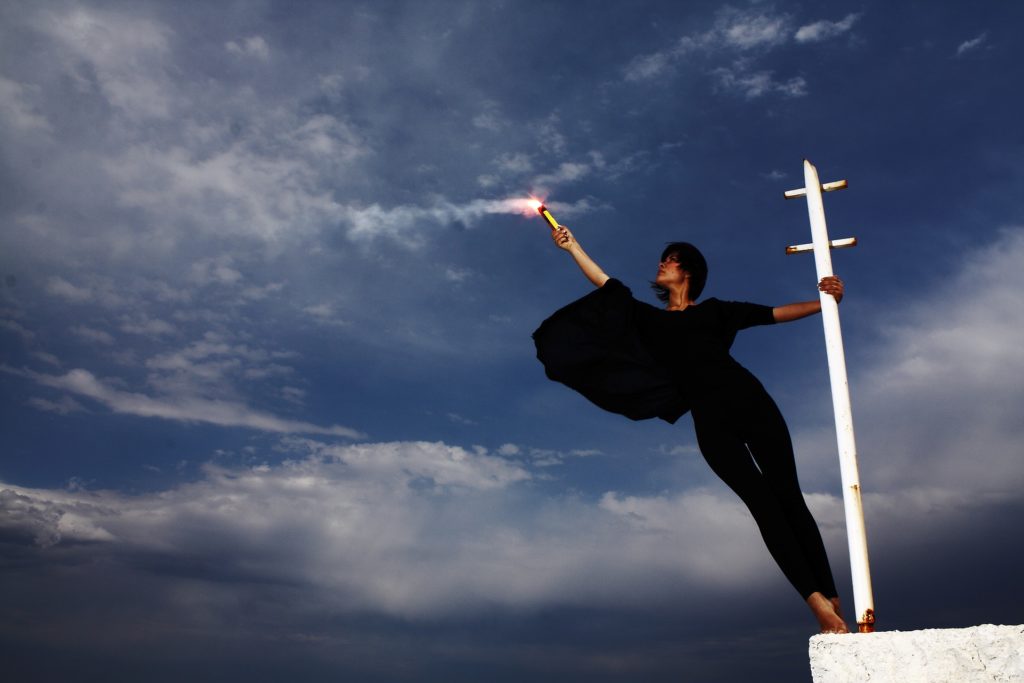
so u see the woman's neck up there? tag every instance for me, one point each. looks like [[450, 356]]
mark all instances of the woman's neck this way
[[679, 297]]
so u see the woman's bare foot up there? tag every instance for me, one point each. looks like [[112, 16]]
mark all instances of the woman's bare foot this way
[[827, 613]]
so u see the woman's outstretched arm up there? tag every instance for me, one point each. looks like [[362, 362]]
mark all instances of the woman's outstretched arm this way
[[564, 240], [830, 285]]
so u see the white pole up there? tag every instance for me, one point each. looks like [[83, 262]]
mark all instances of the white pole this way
[[855, 533]]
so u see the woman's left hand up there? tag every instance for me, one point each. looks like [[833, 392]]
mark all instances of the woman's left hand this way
[[832, 285]]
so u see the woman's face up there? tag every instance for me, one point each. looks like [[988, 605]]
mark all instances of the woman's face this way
[[669, 272]]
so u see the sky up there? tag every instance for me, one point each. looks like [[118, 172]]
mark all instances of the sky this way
[[270, 407]]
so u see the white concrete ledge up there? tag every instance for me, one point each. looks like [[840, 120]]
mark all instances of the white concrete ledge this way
[[961, 655]]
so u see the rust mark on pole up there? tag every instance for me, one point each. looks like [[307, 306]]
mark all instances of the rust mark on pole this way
[[868, 624]]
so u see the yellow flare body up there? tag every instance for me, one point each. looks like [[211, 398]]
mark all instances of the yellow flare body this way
[[543, 211]]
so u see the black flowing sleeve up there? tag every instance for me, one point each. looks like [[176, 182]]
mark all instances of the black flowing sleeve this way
[[740, 315], [593, 346]]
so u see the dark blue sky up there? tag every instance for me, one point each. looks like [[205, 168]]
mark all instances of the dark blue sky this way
[[270, 407]]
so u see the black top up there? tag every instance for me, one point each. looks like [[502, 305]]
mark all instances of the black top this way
[[693, 344], [631, 358]]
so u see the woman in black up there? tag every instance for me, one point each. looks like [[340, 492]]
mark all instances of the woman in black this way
[[740, 431]]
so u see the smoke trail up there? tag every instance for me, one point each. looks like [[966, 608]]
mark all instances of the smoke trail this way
[[402, 222]]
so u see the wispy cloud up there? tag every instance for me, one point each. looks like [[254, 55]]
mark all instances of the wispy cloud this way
[[751, 29], [972, 44], [17, 328], [92, 335], [65, 406], [182, 408], [753, 84], [17, 111], [514, 163], [566, 172], [58, 286], [127, 57], [733, 30], [824, 29], [147, 327], [240, 189], [490, 118], [746, 32], [254, 46]]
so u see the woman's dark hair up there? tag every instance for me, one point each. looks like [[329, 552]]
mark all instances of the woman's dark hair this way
[[690, 260]]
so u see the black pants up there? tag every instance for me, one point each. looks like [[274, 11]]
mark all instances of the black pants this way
[[744, 439]]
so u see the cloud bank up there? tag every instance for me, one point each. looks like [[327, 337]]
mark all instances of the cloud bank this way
[[428, 529]]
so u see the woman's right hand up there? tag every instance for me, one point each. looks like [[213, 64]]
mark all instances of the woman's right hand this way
[[563, 238]]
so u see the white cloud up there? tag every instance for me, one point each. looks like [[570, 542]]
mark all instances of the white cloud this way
[[222, 160], [646, 67], [823, 30], [58, 286], [412, 529], [294, 395], [550, 137], [320, 310], [455, 274], [146, 326], [332, 85], [429, 530], [100, 290], [754, 84], [733, 30], [218, 270], [209, 366], [47, 358], [17, 328], [238, 190], [490, 119], [324, 314], [260, 292], [406, 463], [514, 163], [942, 399], [567, 172], [93, 335], [253, 46], [17, 111], [972, 44], [127, 57], [327, 137], [747, 30], [65, 406], [678, 450]]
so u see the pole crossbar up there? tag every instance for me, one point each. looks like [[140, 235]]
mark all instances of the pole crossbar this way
[[832, 244], [855, 531]]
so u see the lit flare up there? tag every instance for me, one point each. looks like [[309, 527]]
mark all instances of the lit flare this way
[[543, 211]]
